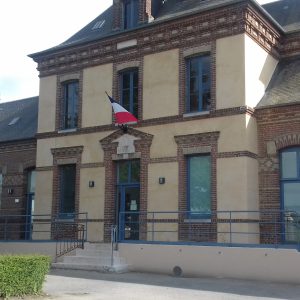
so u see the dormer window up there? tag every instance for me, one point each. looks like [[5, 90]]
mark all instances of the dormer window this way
[[130, 13]]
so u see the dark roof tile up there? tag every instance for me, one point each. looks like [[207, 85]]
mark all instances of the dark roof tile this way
[[26, 126], [284, 87]]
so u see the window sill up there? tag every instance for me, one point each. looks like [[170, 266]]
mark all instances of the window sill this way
[[197, 220], [195, 114], [67, 130]]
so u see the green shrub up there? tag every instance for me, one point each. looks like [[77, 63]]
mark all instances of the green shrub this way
[[22, 274]]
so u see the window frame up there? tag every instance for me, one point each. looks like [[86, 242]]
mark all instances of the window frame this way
[[131, 16], [199, 59], [132, 90], [191, 215], [66, 103]]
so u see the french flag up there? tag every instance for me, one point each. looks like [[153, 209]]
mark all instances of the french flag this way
[[122, 116]]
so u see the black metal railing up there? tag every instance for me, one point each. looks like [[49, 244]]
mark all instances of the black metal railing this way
[[273, 228]]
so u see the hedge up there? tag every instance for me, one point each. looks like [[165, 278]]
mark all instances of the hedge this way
[[22, 274]]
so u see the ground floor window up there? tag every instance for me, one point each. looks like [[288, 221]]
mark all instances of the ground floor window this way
[[290, 192], [199, 185], [67, 189]]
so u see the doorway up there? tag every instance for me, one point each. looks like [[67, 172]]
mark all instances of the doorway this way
[[128, 199]]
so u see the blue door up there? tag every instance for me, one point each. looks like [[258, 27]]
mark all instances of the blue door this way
[[128, 199]]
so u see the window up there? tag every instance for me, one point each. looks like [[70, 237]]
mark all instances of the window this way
[[1, 182], [198, 84], [67, 189], [130, 13], [70, 105], [128, 171], [199, 186], [129, 91], [290, 191]]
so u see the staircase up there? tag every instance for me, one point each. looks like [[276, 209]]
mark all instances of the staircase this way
[[94, 257]]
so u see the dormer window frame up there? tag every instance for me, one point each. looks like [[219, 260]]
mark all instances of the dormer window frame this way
[[130, 14]]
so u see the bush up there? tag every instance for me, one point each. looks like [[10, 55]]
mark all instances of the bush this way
[[22, 274]]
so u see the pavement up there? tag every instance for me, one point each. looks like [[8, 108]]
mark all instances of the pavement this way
[[85, 285]]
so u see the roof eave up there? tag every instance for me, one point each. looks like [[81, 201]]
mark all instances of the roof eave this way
[[58, 48]]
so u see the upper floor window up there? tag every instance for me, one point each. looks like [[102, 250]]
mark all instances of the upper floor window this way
[[198, 83], [130, 14], [70, 105], [129, 91], [199, 185]]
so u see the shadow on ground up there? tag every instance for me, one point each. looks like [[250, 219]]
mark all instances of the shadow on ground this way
[[217, 285]]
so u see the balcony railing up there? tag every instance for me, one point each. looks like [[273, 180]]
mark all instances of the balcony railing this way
[[272, 228]]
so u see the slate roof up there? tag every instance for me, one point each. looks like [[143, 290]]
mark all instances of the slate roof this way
[[286, 13], [284, 87], [176, 8], [26, 126]]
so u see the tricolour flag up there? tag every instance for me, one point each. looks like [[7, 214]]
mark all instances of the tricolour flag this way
[[122, 116]]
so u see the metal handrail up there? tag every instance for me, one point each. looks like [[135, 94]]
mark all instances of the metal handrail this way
[[272, 226], [114, 242]]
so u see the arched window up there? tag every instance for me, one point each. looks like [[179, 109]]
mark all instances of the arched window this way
[[290, 191]]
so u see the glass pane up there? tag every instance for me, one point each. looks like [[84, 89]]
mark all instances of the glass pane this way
[[194, 85], [123, 172], [200, 183], [206, 100], [289, 164], [194, 67], [126, 80], [291, 193], [194, 102], [31, 182], [135, 79], [68, 176], [126, 99], [135, 171]]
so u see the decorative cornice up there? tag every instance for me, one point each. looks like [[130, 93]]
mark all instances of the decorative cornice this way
[[287, 140], [237, 154], [204, 26], [197, 138], [67, 151], [144, 138], [262, 32], [14, 146]]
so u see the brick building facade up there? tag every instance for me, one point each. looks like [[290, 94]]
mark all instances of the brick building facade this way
[[214, 85]]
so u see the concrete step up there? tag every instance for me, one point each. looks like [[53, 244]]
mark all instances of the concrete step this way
[[90, 252], [91, 267], [102, 260], [94, 257]]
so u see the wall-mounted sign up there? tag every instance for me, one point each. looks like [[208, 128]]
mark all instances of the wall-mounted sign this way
[[126, 144]]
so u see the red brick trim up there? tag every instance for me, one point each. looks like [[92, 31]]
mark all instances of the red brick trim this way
[[237, 154], [160, 160], [142, 145], [227, 112], [208, 140], [287, 140], [60, 154]]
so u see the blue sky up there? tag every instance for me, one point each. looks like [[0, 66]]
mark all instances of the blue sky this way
[[34, 26]]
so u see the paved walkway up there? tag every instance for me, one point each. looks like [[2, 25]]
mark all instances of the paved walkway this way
[[63, 284]]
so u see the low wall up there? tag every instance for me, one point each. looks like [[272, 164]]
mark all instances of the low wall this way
[[280, 265], [45, 248]]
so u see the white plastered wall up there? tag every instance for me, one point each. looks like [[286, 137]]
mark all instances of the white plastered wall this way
[[243, 71], [96, 108], [160, 90], [92, 200], [47, 104]]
